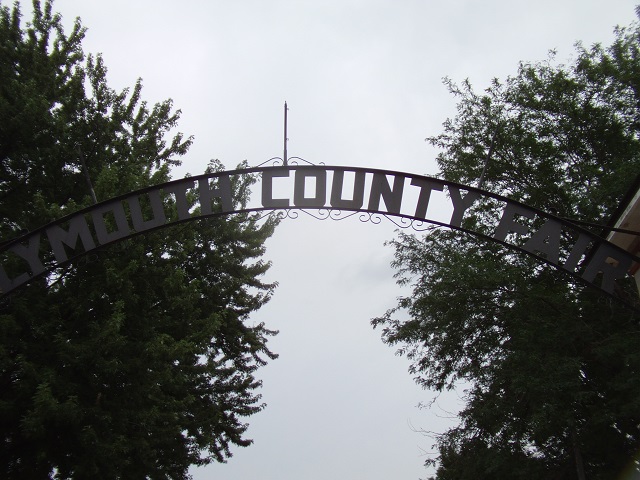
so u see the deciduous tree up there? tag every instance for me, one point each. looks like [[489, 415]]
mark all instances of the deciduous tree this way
[[551, 370], [140, 360]]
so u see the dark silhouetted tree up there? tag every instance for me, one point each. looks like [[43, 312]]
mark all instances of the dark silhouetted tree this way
[[551, 370], [138, 361]]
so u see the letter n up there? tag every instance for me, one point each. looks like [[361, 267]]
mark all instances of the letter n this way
[[380, 189]]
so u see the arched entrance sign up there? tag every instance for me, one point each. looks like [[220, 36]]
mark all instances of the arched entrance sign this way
[[331, 192]]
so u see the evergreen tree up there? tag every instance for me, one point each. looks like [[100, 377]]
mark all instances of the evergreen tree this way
[[138, 361], [551, 370]]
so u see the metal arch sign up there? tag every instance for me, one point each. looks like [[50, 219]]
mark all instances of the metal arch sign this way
[[336, 191]]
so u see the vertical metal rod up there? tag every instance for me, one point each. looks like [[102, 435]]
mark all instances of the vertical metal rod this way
[[284, 155]]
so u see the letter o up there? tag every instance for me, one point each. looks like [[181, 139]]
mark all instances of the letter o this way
[[320, 195]]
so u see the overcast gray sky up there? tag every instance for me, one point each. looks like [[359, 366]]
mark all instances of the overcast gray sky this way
[[363, 80]]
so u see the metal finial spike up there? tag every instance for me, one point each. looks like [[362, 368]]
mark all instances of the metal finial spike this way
[[284, 155]]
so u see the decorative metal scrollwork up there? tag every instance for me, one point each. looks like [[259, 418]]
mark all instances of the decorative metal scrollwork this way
[[374, 218], [412, 223], [275, 162], [279, 162], [364, 217]]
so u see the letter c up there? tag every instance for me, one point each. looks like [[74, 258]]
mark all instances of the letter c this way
[[267, 189]]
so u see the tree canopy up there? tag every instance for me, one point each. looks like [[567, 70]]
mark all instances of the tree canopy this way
[[140, 360], [550, 370]]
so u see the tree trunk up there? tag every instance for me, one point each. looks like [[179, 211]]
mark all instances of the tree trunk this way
[[578, 456]]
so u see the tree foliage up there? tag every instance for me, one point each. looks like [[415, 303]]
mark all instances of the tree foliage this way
[[551, 371], [138, 361]]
